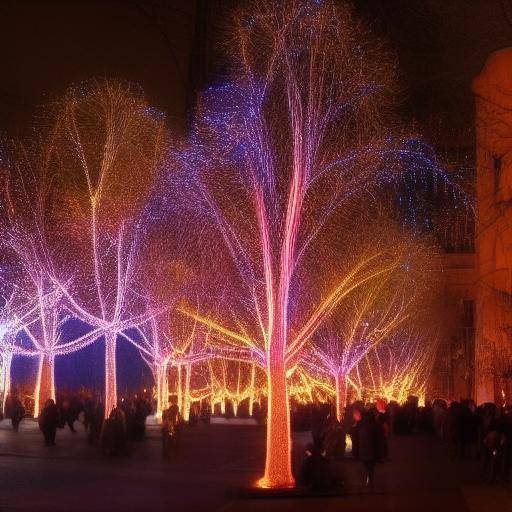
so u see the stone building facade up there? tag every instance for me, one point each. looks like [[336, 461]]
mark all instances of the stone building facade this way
[[493, 343]]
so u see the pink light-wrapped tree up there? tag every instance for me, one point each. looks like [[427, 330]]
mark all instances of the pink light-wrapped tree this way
[[299, 136], [109, 146], [29, 233]]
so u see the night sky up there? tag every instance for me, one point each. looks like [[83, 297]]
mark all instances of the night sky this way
[[46, 45]]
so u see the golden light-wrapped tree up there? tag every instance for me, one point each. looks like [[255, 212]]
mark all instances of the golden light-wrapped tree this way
[[375, 313]]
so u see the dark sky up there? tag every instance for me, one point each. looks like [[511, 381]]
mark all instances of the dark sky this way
[[45, 45], [442, 45]]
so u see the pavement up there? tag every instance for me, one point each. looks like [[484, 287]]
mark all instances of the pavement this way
[[215, 462]]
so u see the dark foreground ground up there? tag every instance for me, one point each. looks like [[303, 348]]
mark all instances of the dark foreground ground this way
[[215, 459]]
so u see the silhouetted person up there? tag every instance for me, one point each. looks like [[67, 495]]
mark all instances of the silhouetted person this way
[[410, 411], [507, 448], [14, 410], [494, 444], [334, 442], [113, 435], [439, 414], [193, 417], [315, 471], [89, 409], [455, 427], [140, 413], [128, 408], [368, 445], [96, 423], [354, 431], [49, 421], [67, 414], [171, 432], [318, 424], [383, 422], [205, 413], [497, 447]]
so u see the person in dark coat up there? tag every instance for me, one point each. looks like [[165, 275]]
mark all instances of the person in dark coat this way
[[354, 431], [334, 442], [48, 422], [96, 423], [67, 415], [14, 410], [113, 435], [368, 432], [318, 425], [315, 471], [171, 432], [89, 409], [142, 411], [382, 418]]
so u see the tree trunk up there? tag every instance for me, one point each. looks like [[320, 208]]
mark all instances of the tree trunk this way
[[278, 463], [162, 389], [186, 394], [165, 386], [179, 390], [278, 469], [251, 391], [341, 396], [6, 376], [45, 386], [110, 373]]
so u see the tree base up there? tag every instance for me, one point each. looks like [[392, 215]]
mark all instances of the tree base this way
[[338, 491], [283, 493]]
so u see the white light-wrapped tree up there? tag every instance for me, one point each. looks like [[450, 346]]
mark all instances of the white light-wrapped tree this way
[[16, 313], [109, 147], [29, 233]]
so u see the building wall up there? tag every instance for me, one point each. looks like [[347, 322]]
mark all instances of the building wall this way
[[493, 352], [453, 373]]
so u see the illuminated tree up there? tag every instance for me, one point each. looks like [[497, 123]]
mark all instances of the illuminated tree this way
[[300, 136], [27, 235], [109, 145], [155, 350], [171, 341], [16, 314], [233, 381], [374, 312], [399, 367]]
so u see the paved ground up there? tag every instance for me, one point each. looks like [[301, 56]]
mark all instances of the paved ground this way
[[216, 458]]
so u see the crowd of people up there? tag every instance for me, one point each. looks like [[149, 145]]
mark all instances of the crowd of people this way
[[481, 433], [126, 422], [365, 427]]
